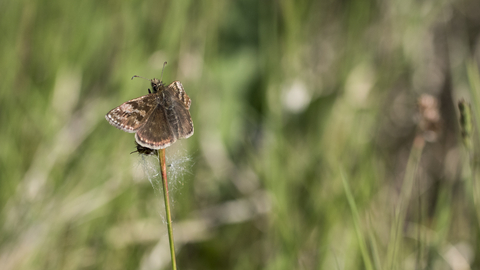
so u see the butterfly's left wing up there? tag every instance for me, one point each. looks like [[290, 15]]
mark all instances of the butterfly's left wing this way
[[132, 115], [156, 133]]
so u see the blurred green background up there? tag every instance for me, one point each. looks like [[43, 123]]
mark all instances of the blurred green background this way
[[303, 155]]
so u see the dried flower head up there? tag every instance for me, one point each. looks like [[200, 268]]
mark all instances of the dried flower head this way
[[144, 150], [430, 122]]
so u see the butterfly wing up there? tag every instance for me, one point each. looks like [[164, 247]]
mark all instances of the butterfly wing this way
[[177, 88], [133, 114], [177, 110], [158, 119], [180, 120], [156, 133]]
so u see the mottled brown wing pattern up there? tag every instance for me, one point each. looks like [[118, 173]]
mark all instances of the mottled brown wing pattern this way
[[179, 92], [157, 119], [180, 120], [133, 114], [156, 133]]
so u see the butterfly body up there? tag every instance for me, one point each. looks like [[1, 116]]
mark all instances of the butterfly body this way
[[157, 119]]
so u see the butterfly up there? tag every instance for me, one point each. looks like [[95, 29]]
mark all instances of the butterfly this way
[[158, 119]]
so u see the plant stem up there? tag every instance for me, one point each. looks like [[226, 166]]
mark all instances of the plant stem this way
[[163, 168], [404, 200]]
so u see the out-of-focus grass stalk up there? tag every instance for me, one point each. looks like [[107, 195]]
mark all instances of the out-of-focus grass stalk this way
[[466, 126], [356, 223], [163, 169], [396, 235], [374, 246], [467, 116], [474, 80]]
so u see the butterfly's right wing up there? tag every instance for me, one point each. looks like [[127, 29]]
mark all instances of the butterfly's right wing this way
[[177, 111], [180, 120], [132, 115], [180, 93]]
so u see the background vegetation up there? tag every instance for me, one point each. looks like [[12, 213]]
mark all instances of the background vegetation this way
[[303, 155]]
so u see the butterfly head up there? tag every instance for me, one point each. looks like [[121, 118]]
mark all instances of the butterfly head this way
[[157, 85]]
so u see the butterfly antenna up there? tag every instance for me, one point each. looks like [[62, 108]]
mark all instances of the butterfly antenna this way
[[164, 64], [140, 77]]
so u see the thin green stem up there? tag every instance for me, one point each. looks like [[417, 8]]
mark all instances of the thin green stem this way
[[163, 168], [405, 196], [467, 128], [356, 222]]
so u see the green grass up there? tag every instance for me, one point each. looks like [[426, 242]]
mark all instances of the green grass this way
[[304, 115]]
